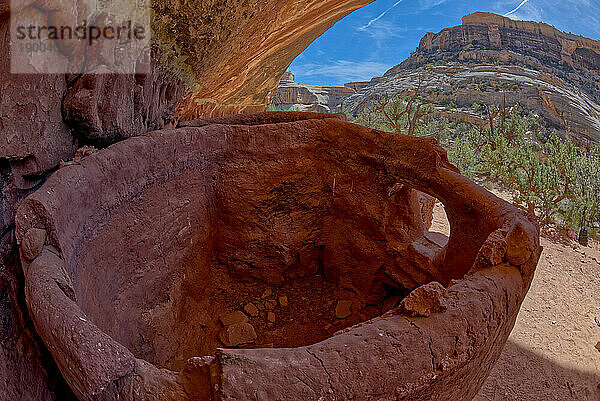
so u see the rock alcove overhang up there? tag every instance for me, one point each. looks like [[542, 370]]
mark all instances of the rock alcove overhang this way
[[136, 229], [231, 54]]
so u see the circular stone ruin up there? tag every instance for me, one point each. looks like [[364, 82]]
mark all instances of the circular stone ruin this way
[[276, 256]]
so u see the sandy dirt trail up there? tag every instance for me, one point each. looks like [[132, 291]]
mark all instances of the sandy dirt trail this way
[[550, 354]]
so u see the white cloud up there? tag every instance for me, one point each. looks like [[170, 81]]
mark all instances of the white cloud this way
[[529, 13], [579, 16], [341, 71], [384, 31], [516, 8], [380, 16], [427, 4]]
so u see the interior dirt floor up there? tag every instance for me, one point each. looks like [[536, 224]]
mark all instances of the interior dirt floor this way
[[550, 354], [166, 306]]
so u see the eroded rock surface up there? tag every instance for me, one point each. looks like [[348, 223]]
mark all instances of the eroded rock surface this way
[[103, 108], [228, 58]]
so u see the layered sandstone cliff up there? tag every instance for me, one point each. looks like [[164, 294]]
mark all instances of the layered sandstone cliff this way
[[489, 37], [292, 95], [490, 59]]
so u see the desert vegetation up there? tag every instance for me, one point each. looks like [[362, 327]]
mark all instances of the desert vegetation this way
[[550, 177]]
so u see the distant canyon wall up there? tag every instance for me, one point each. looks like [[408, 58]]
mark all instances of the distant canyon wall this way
[[294, 96], [556, 51], [490, 59]]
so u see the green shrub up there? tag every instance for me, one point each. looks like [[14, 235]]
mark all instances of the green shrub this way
[[550, 177], [584, 209]]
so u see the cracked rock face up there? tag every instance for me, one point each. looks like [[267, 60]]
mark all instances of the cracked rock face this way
[[155, 248]]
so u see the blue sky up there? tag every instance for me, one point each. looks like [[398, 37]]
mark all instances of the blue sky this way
[[382, 34]]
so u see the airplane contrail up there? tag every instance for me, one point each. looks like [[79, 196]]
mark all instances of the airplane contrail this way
[[380, 16], [516, 9]]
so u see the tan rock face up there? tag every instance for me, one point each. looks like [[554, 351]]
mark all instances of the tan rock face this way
[[425, 300], [343, 309], [233, 317], [238, 334], [32, 243], [500, 29], [569, 42], [251, 309], [495, 36], [541, 41]]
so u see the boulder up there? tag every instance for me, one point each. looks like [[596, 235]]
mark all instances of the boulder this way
[[238, 334]]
